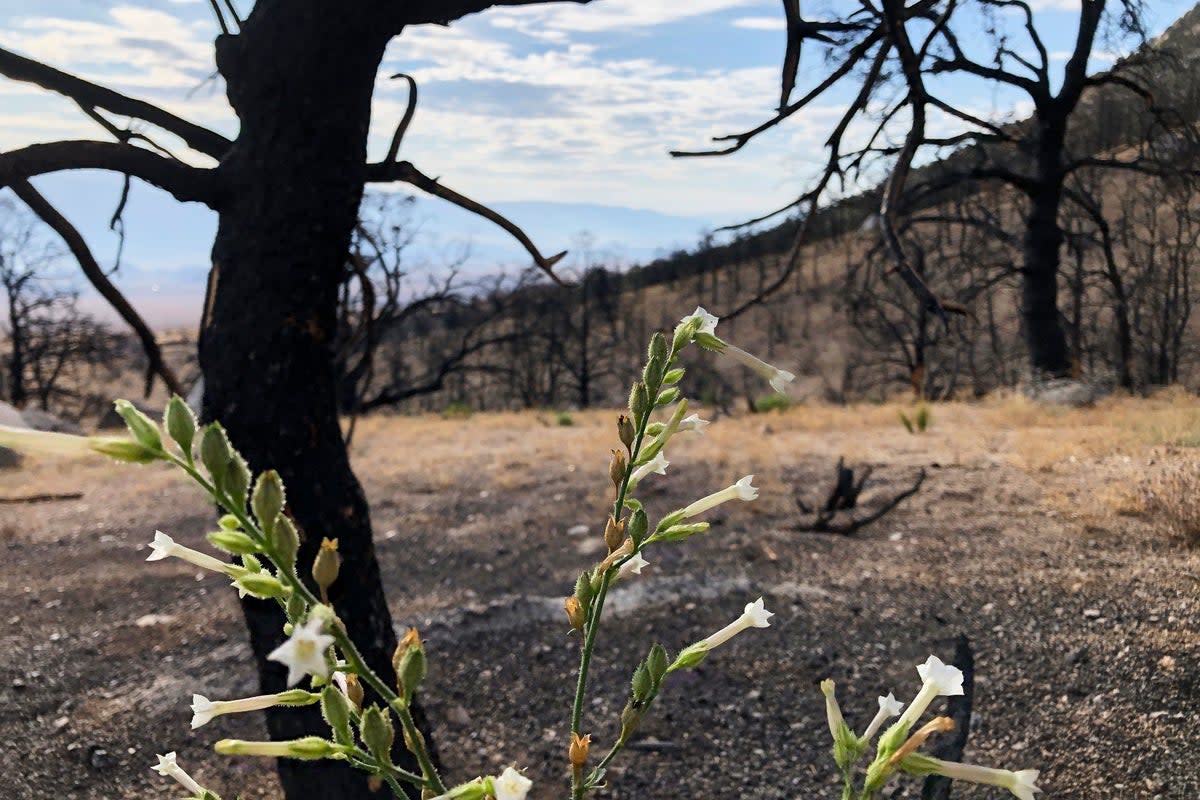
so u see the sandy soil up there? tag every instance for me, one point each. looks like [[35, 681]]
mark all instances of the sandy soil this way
[[1029, 537]]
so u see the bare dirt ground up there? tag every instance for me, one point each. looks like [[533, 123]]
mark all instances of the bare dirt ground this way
[[1030, 537]]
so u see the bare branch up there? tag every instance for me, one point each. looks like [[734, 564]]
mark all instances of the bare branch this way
[[87, 262], [406, 120], [91, 96], [404, 171], [185, 183], [443, 12], [740, 140]]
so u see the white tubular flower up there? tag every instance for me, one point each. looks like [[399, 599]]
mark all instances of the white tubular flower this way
[[778, 378], [692, 423], [939, 680], [309, 748], [708, 322], [1022, 784], [164, 546], [203, 709], [58, 444], [304, 652], [633, 566], [754, 616], [888, 707], [169, 769], [511, 785], [833, 712], [742, 490], [658, 465]]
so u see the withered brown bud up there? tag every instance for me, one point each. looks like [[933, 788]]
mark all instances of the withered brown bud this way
[[575, 613], [354, 691], [625, 431], [326, 565], [614, 534], [578, 751], [616, 469]]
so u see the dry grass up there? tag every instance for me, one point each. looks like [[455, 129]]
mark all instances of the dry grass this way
[[1173, 496]]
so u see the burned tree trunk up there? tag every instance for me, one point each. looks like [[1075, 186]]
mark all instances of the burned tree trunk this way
[[300, 81]]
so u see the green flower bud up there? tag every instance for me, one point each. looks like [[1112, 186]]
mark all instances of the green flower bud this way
[[667, 396], [377, 733], [268, 499], [285, 541], [639, 400], [642, 683], [234, 542], [262, 585], [658, 347], [631, 717], [335, 708], [583, 590], [656, 662], [673, 376], [296, 606], [126, 450], [181, 424], [215, 452], [637, 526], [144, 430], [229, 522], [237, 481]]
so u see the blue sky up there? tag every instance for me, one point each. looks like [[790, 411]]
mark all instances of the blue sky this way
[[560, 115]]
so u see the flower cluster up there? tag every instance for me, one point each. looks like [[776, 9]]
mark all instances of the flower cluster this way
[[261, 545], [896, 750]]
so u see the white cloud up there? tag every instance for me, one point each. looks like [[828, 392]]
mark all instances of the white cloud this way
[[611, 15], [761, 23]]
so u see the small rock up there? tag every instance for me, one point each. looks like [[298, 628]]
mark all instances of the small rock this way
[[1091, 613], [61, 723], [1077, 656], [99, 758], [18, 683], [577, 530], [150, 620], [457, 715], [589, 547], [1166, 663]]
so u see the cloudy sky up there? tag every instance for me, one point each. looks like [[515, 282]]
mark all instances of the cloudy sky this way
[[560, 115]]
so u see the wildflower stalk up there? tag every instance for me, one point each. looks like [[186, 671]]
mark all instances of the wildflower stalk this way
[[429, 777], [592, 621]]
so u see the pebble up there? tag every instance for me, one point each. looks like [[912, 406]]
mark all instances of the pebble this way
[[1091, 613], [577, 530]]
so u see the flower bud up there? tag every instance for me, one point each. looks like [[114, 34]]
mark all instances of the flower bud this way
[[181, 424], [625, 431], [576, 614], [673, 376], [267, 500], [583, 589], [639, 400], [126, 450], [614, 533], [642, 683], [656, 662], [637, 526], [326, 565], [409, 663], [689, 658], [377, 733], [237, 481], [354, 691], [144, 430], [667, 396], [577, 752], [236, 542], [215, 452], [616, 469], [285, 540], [261, 585], [335, 708]]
